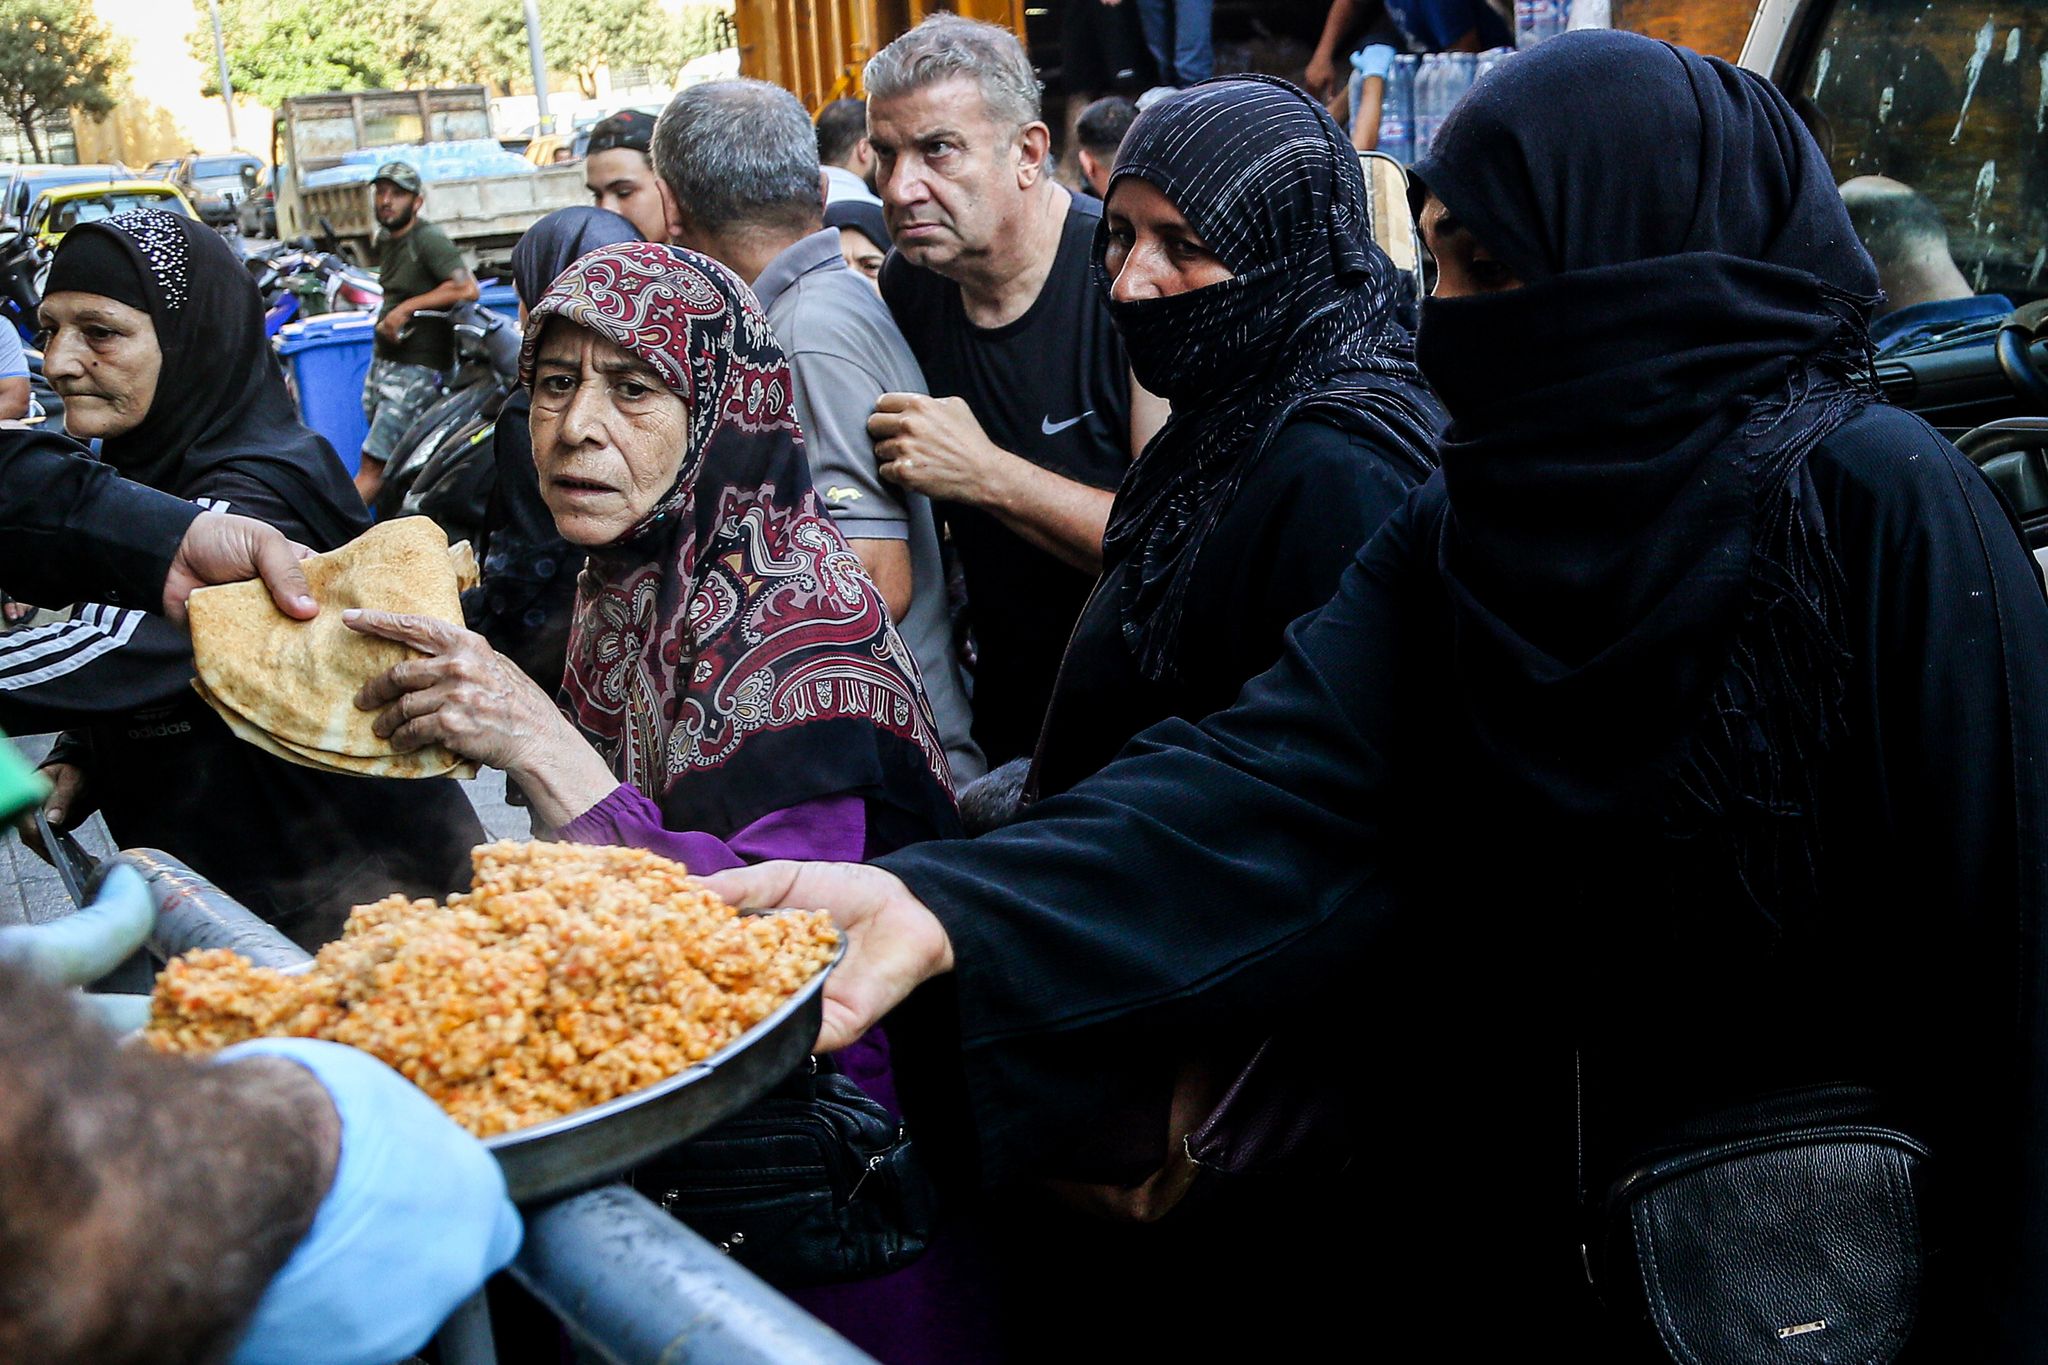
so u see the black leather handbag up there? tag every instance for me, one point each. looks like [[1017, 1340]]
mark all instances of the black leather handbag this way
[[813, 1184], [1794, 1241]]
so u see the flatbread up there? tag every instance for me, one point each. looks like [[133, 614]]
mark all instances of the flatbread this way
[[463, 556], [296, 681], [421, 763]]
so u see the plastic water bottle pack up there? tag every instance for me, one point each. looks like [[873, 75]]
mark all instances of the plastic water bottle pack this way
[[1537, 20], [1397, 110]]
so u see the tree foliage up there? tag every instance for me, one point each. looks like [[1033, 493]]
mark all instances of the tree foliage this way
[[55, 55], [278, 48]]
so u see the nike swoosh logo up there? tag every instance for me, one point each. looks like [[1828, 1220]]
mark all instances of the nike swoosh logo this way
[[1052, 428]]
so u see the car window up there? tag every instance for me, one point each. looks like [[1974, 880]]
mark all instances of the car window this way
[[72, 213], [1952, 99]]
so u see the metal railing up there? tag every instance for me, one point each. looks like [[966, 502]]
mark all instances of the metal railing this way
[[629, 1282]]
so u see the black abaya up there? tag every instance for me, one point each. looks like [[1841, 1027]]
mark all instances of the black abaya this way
[[1264, 865]]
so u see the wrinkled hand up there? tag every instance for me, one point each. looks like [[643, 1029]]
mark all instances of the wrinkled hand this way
[[69, 805], [463, 694], [935, 446], [393, 322], [893, 943], [223, 548]]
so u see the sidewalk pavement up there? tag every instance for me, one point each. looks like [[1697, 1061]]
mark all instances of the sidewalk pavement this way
[[31, 892]]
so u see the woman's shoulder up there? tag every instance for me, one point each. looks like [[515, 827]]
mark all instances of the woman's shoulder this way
[[1889, 455], [1894, 485]]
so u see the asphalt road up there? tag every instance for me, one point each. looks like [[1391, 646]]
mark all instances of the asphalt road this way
[[30, 891]]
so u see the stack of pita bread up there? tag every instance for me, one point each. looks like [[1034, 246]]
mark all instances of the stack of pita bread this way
[[289, 687]]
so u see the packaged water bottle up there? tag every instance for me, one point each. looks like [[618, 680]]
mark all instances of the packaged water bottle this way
[[1397, 110], [1491, 58], [1463, 69], [1425, 117], [1530, 17]]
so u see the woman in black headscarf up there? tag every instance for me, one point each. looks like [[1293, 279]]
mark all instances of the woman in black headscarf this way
[[527, 591], [1677, 750], [155, 339], [1243, 279]]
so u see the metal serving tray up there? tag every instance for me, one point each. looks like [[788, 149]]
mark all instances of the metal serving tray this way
[[589, 1147]]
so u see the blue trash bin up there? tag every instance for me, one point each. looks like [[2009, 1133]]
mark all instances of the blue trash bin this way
[[499, 298], [329, 358]]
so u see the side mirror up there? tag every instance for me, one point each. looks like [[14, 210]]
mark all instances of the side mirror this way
[[1392, 220]]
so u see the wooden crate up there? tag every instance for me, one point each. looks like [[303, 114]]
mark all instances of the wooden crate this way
[[816, 48]]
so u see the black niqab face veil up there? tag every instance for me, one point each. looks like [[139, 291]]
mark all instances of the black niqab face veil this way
[[1306, 325], [220, 396], [1646, 609]]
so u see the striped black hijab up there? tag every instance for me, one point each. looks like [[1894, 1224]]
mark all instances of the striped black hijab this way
[[1306, 325]]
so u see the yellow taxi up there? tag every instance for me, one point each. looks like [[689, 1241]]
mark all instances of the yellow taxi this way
[[64, 207]]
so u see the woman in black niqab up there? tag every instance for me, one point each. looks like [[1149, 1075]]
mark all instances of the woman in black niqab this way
[[1299, 418], [1677, 747]]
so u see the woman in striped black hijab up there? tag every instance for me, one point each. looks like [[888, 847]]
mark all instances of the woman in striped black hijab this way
[[1243, 277]]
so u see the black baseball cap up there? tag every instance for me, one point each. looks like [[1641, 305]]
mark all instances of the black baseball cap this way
[[862, 216], [627, 128]]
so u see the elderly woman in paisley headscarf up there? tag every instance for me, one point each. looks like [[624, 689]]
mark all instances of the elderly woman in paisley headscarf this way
[[734, 690], [154, 336]]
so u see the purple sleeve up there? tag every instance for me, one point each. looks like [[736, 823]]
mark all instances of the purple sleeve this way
[[827, 829]]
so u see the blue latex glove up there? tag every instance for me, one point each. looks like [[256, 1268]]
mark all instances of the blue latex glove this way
[[415, 1221], [89, 942], [1376, 60]]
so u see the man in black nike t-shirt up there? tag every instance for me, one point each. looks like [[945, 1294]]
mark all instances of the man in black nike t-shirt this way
[[1034, 415]]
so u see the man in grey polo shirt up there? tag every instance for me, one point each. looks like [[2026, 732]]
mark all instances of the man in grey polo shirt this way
[[740, 160]]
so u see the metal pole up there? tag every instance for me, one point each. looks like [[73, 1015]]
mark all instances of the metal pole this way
[[540, 66], [638, 1288], [227, 88]]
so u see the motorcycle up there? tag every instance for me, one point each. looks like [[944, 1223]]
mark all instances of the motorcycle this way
[[299, 280], [24, 265], [444, 468]]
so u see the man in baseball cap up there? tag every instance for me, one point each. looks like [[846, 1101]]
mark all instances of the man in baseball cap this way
[[420, 270], [620, 172]]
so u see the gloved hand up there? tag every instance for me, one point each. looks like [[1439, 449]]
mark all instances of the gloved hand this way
[[415, 1221], [1375, 60], [91, 941]]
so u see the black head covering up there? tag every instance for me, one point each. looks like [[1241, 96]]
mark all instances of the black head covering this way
[[1305, 325], [558, 241], [864, 216], [1645, 604], [220, 396]]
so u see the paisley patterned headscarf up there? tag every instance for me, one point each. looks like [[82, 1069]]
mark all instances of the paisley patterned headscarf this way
[[729, 655]]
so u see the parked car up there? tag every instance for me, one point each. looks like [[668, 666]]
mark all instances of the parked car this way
[[59, 210], [214, 184], [26, 182], [257, 216]]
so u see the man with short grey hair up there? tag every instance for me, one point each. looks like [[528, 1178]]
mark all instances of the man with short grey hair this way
[[740, 160], [1036, 415]]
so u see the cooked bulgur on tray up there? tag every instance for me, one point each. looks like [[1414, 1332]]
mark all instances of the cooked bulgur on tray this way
[[566, 976]]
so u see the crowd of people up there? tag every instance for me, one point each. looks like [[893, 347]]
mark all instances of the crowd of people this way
[[1331, 818]]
